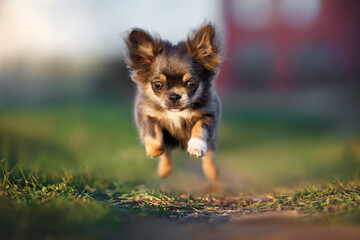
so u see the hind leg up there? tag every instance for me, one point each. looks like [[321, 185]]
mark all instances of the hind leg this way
[[208, 165], [164, 165]]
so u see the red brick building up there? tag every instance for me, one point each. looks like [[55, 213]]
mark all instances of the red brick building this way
[[282, 44]]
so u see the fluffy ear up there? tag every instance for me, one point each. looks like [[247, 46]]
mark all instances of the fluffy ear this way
[[142, 49], [203, 45]]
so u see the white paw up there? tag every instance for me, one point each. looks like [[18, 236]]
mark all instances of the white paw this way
[[197, 147]]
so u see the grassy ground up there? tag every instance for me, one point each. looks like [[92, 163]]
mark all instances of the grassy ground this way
[[79, 171]]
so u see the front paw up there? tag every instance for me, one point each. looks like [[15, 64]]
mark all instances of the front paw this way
[[153, 148], [153, 151], [197, 147]]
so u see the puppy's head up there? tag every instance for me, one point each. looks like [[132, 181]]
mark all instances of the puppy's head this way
[[173, 76]]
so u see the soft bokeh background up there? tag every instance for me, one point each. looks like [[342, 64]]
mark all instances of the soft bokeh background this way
[[289, 84]]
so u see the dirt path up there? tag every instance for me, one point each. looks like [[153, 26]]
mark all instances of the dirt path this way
[[267, 225], [235, 217]]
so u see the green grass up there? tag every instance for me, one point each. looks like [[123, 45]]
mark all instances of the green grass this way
[[81, 207], [79, 171], [334, 201], [256, 151]]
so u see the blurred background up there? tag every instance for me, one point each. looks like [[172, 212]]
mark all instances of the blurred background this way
[[289, 84]]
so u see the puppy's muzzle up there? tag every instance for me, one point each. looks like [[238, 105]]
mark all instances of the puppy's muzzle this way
[[174, 98]]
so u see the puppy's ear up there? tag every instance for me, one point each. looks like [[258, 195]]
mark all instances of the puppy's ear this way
[[142, 49], [203, 45]]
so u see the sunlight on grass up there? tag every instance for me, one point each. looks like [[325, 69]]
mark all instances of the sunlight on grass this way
[[256, 151], [39, 205], [81, 171]]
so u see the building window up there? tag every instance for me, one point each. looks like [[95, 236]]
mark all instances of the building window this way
[[252, 14], [253, 65], [316, 64], [300, 13]]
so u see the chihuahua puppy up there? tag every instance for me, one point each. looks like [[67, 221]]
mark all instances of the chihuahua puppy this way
[[176, 105]]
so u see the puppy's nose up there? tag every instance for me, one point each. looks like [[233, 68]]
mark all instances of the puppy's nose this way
[[174, 97]]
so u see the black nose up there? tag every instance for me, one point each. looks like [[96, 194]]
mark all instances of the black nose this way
[[174, 97]]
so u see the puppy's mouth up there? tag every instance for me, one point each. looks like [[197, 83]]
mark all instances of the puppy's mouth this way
[[175, 109]]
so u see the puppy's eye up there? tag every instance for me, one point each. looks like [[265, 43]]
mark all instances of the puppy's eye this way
[[190, 84], [158, 85]]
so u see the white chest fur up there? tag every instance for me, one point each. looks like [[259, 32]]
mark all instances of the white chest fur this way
[[175, 119]]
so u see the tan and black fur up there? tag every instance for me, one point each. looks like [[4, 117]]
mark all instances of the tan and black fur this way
[[176, 105]]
